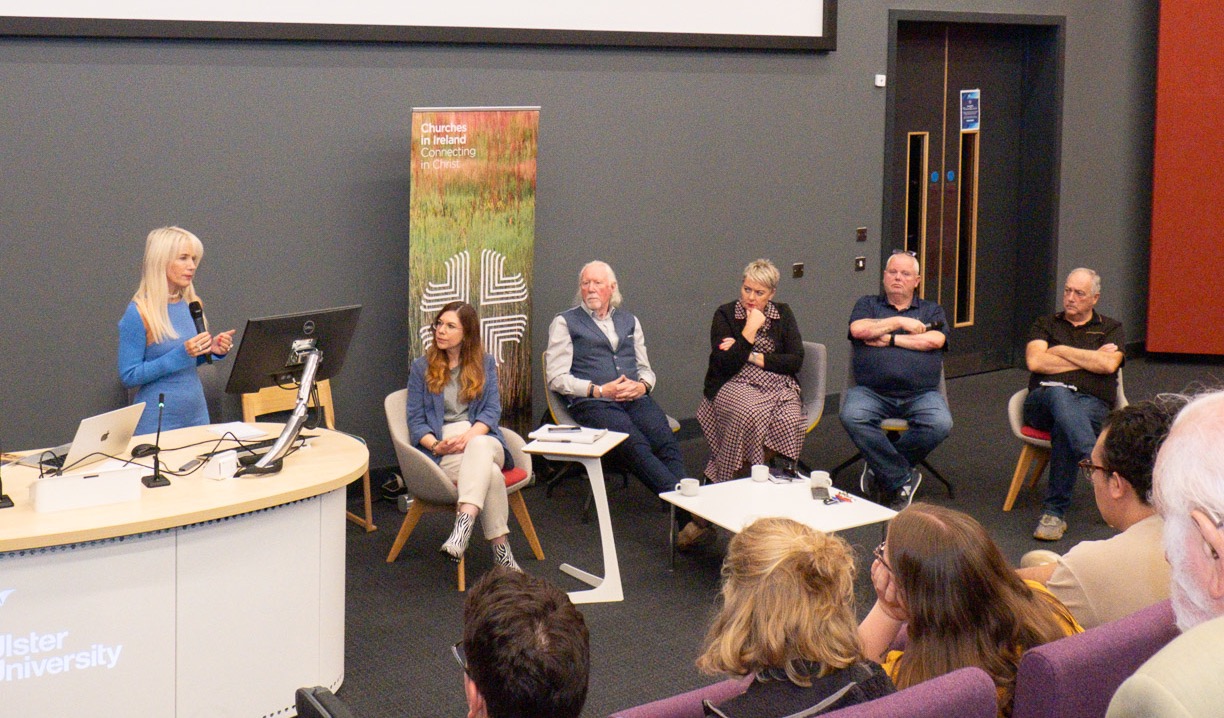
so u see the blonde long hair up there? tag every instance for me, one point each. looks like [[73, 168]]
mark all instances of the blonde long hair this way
[[153, 295], [788, 600]]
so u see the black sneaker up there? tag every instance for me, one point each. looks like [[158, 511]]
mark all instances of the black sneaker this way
[[904, 496]]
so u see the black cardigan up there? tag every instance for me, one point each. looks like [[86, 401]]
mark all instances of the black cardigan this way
[[786, 359]]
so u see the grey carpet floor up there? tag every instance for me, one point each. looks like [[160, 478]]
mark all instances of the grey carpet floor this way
[[403, 617]]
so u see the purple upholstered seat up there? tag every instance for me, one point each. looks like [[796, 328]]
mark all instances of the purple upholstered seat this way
[[688, 705], [1077, 675], [963, 693]]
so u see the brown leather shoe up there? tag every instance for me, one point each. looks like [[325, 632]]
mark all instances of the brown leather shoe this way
[[692, 536]]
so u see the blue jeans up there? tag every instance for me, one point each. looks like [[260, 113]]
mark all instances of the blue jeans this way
[[651, 452], [1073, 419], [929, 420]]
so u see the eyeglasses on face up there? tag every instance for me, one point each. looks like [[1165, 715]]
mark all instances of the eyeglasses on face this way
[[879, 556], [1088, 468]]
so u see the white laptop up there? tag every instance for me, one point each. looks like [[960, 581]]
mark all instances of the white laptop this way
[[96, 437]]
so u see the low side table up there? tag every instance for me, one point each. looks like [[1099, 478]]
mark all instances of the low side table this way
[[607, 588]]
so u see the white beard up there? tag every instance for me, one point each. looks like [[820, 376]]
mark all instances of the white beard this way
[[1191, 603]]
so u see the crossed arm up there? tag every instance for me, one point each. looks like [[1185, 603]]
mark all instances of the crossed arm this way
[[1045, 359], [909, 333]]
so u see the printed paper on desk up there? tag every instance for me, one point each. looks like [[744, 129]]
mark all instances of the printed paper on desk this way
[[568, 434]]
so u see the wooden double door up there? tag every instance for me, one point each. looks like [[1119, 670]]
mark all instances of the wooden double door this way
[[971, 176]]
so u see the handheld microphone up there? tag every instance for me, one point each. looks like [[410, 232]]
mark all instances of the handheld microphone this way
[[156, 480], [936, 326], [5, 501], [197, 316]]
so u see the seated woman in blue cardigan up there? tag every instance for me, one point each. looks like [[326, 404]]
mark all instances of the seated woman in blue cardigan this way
[[453, 412]]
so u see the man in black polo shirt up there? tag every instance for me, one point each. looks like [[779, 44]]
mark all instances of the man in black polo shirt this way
[[1074, 357], [897, 340]]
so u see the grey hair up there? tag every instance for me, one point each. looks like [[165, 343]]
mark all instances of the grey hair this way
[[1189, 472], [907, 255], [1096, 278], [763, 272], [616, 293]]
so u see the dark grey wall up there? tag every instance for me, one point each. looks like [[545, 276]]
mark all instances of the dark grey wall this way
[[290, 161]]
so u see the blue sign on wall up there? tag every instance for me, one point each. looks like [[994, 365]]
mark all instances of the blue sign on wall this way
[[970, 110]]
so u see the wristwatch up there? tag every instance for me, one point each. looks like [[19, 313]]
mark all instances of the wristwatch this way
[[892, 339]]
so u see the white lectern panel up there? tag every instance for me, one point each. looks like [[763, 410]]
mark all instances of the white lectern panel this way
[[249, 609], [88, 629]]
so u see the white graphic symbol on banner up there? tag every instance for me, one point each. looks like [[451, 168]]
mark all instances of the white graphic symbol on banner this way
[[496, 287], [5, 594]]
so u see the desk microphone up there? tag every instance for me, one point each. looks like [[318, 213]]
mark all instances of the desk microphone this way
[[156, 480], [5, 501], [197, 315]]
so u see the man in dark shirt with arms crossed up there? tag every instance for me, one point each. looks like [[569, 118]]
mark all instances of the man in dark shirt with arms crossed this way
[[897, 342], [1074, 357]]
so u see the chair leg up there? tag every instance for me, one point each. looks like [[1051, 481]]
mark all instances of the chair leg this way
[[845, 464], [520, 511], [1024, 465], [931, 470], [410, 521], [368, 522]]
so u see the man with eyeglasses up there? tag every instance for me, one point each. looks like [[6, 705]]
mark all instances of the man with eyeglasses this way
[[1183, 678], [1090, 579], [1073, 358], [525, 649], [897, 344]]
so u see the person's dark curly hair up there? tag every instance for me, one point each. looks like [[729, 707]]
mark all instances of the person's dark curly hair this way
[[527, 647], [1135, 435]]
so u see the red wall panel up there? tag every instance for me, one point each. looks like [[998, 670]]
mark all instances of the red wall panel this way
[[1185, 305]]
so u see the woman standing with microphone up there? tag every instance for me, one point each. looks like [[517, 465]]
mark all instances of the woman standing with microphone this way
[[159, 343]]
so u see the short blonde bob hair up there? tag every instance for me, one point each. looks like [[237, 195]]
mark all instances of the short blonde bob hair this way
[[161, 247], [763, 272], [788, 600]]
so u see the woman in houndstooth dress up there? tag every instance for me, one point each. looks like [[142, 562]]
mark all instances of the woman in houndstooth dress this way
[[752, 410]]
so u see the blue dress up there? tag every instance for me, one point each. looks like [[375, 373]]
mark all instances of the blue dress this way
[[162, 368]]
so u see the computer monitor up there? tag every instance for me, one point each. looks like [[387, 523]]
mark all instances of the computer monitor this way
[[272, 350]]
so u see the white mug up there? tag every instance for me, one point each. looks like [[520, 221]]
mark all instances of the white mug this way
[[760, 472], [688, 487], [821, 478]]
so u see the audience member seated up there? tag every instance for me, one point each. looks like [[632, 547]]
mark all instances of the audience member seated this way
[[788, 618], [1102, 581], [939, 573], [1183, 678], [525, 650], [751, 411]]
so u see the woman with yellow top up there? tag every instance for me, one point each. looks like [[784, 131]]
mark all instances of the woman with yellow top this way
[[939, 572]]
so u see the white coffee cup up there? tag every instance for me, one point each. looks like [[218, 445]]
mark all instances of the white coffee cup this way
[[688, 487], [821, 478], [760, 472]]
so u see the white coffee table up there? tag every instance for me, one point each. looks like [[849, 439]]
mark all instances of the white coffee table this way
[[735, 504], [608, 588]]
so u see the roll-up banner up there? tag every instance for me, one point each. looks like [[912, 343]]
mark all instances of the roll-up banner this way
[[472, 234]]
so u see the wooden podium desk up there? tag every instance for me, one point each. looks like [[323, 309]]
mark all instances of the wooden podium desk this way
[[202, 598]]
